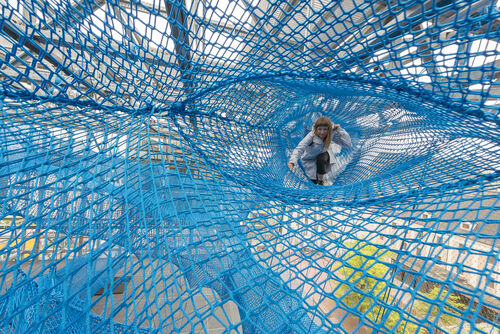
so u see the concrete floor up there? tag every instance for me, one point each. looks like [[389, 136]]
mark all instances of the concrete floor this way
[[164, 301], [167, 305], [170, 306]]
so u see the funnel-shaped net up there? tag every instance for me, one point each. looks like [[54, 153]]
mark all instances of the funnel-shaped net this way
[[144, 185]]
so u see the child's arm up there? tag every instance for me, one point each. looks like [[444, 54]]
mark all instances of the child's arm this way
[[341, 137], [297, 152]]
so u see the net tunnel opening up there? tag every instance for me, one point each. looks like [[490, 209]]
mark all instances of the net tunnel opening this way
[[247, 130]]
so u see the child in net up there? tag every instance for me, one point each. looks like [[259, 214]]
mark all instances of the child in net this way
[[315, 149]]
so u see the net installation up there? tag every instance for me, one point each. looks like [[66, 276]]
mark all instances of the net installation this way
[[249, 166]]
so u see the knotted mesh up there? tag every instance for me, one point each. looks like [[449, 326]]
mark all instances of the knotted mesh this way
[[144, 185]]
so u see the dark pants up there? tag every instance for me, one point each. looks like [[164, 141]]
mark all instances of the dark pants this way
[[322, 166], [323, 163]]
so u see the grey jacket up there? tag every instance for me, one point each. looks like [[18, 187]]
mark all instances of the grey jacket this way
[[311, 146]]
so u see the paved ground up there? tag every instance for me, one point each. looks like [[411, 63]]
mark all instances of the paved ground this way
[[171, 307]]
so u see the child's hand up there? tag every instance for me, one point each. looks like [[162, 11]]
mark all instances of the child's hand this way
[[336, 126], [290, 165]]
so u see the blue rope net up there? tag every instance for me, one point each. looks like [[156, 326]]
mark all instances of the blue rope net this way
[[143, 177]]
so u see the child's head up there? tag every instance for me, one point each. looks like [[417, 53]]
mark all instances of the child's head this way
[[323, 129]]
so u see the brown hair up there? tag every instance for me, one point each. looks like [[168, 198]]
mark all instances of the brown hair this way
[[324, 121]]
